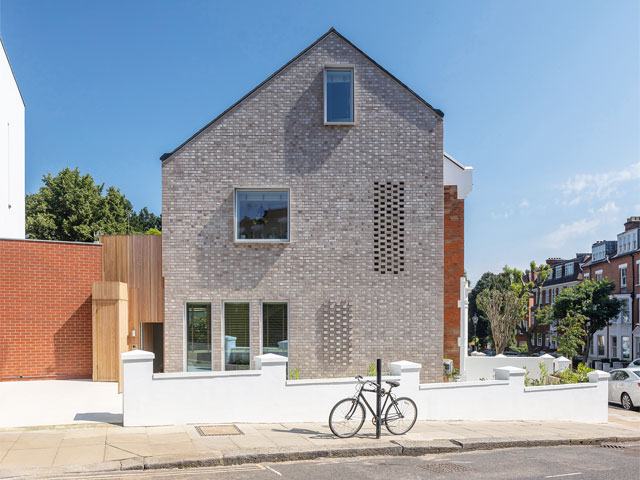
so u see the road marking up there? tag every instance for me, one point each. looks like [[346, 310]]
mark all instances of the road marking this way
[[563, 475], [181, 473], [273, 470]]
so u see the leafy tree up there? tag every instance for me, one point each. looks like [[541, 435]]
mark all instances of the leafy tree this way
[[525, 285], [72, 207], [504, 309], [153, 231], [488, 281], [570, 335], [145, 220], [590, 302]]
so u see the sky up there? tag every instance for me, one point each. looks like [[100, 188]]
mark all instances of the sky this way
[[541, 98]]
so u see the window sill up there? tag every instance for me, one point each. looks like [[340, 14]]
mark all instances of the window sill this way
[[339, 123], [261, 242]]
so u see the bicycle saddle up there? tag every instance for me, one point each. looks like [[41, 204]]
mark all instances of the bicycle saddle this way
[[393, 383]]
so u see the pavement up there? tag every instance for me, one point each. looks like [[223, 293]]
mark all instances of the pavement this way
[[61, 450]]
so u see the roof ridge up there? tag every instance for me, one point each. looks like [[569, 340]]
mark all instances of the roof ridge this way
[[332, 30]]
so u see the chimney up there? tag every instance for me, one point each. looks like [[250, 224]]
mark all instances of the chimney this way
[[552, 261], [632, 222]]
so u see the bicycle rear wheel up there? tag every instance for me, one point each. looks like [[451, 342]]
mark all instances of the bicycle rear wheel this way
[[401, 416], [346, 418]]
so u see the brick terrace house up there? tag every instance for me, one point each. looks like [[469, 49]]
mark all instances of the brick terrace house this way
[[564, 273], [619, 261], [317, 218]]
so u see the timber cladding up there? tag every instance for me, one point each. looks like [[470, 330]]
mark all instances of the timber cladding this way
[[137, 261], [45, 308]]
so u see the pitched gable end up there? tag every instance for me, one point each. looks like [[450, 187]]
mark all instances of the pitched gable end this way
[[331, 31]]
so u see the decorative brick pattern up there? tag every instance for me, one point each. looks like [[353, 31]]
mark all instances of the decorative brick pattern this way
[[277, 138], [388, 227], [45, 308], [335, 319]]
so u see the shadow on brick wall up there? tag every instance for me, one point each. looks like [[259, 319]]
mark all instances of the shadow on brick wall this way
[[224, 264], [308, 143]]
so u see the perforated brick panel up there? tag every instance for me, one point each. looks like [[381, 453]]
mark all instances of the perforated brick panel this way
[[335, 318], [388, 227]]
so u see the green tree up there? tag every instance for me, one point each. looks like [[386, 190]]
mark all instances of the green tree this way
[[570, 335], [504, 309], [525, 285], [589, 301], [145, 220], [72, 207], [488, 281]]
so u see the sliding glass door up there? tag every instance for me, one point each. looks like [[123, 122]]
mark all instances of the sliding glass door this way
[[198, 337]]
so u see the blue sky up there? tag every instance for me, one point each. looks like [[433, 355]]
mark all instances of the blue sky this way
[[541, 98]]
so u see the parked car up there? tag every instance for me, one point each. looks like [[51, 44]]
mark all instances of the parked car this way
[[624, 387], [634, 363]]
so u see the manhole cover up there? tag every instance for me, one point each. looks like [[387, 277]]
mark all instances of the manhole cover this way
[[216, 430], [444, 467]]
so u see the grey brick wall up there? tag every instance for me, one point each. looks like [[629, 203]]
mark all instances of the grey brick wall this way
[[276, 137]]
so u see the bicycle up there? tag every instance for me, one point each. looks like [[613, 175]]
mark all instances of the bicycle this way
[[348, 415]]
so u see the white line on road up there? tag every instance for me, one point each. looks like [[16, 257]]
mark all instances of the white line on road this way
[[563, 475], [273, 470]]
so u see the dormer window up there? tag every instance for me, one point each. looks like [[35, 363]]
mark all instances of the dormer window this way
[[338, 96]]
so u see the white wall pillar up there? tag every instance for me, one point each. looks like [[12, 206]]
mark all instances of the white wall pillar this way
[[137, 375], [463, 339], [409, 373]]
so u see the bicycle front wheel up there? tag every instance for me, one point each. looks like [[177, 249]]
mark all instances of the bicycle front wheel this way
[[346, 418], [401, 416]]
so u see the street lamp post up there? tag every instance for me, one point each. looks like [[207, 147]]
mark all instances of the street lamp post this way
[[474, 319]]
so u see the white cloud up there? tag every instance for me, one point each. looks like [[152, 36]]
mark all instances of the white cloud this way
[[609, 207], [524, 203], [598, 185], [560, 235]]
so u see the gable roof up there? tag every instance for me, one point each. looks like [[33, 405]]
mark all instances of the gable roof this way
[[437, 111]]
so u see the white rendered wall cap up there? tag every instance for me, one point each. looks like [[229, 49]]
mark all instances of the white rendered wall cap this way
[[512, 371], [137, 355], [500, 355], [546, 355], [270, 359], [454, 173], [562, 358], [404, 365], [597, 375]]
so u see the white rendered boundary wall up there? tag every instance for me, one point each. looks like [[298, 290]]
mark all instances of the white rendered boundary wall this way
[[481, 367], [265, 396]]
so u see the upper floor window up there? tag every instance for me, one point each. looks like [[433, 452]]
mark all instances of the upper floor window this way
[[262, 215], [568, 269], [558, 271], [624, 311], [338, 95], [598, 275], [623, 277]]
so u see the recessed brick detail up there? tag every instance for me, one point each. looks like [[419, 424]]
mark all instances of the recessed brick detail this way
[[453, 270], [45, 308], [334, 320]]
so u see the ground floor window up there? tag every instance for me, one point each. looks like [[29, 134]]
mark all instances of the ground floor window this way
[[626, 348], [275, 328], [600, 345], [614, 347], [237, 336], [539, 338], [198, 336]]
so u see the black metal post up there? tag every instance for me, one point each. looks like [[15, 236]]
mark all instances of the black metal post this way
[[378, 396]]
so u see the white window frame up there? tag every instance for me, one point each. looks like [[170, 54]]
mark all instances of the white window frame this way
[[338, 67], [559, 271], [613, 348], [622, 356], [604, 349], [598, 275], [184, 333], [223, 349], [539, 340], [623, 275], [235, 215], [262, 302], [567, 267], [638, 276]]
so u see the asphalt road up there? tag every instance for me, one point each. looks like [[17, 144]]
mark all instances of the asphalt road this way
[[575, 462]]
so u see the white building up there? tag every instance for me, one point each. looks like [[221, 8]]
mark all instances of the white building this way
[[11, 152]]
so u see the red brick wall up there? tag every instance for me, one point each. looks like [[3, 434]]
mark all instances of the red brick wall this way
[[45, 308], [453, 270]]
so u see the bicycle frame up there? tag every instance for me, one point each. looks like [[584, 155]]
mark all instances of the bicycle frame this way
[[359, 396]]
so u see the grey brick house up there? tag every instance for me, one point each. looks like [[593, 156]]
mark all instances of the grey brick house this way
[[308, 220]]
